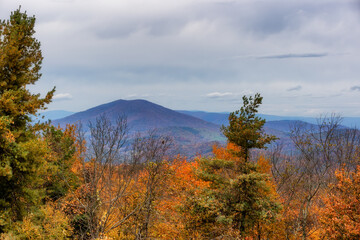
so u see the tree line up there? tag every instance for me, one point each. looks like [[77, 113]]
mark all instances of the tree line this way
[[60, 184]]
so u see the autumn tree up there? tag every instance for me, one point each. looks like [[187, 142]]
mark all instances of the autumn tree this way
[[340, 218], [151, 152], [120, 181], [303, 178], [106, 177], [173, 218], [22, 151]]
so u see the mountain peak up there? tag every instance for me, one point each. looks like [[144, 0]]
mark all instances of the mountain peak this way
[[141, 114]]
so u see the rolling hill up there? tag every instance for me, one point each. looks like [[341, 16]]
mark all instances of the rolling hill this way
[[193, 131], [142, 116], [222, 118]]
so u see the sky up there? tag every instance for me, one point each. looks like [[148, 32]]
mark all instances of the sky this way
[[302, 56]]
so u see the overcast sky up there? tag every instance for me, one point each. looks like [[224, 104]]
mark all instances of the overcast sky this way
[[303, 56]]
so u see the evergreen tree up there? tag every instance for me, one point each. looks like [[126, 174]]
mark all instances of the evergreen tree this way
[[239, 197], [245, 128], [22, 152]]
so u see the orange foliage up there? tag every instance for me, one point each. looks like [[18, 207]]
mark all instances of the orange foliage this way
[[80, 148], [178, 183], [340, 218], [181, 182], [227, 153]]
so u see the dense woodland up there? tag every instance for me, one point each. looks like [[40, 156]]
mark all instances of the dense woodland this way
[[104, 184]]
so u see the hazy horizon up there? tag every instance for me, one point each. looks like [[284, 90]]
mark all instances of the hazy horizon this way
[[197, 110]]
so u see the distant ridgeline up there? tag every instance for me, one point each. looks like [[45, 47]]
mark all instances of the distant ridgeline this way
[[191, 135], [193, 132]]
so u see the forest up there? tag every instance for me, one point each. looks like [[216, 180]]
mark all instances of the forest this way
[[104, 184]]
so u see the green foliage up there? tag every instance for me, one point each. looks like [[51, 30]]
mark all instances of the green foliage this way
[[245, 128], [60, 177], [238, 198], [23, 153]]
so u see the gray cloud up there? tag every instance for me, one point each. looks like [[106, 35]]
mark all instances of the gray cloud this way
[[355, 88], [153, 26], [297, 88], [302, 96], [327, 96], [109, 49], [291, 55]]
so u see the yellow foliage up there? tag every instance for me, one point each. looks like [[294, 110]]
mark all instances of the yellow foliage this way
[[48, 223]]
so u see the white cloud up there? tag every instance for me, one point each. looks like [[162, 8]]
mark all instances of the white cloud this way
[[62, 96], [219, 94]]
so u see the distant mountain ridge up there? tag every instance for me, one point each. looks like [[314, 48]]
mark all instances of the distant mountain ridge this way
[[222, 118], [141, 115], [193, 131], [187, 126], [192, 135]]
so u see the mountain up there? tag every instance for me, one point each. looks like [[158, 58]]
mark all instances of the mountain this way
[[278, 123], [143, 116], [222, 118], [193, 131], [216, 118], [352, 122], [275, 125], [286, 126]]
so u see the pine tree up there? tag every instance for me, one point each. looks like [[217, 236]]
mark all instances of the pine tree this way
[[22, 151], [239, 197], [245, 128]]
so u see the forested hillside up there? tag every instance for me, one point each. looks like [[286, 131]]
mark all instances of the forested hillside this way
[[109, 182]]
